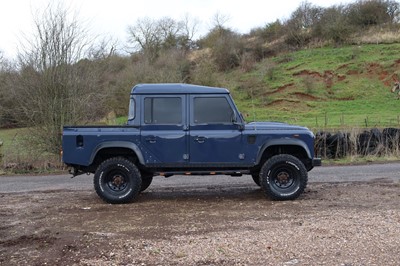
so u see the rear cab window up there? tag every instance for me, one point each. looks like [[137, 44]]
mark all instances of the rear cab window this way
[[163, 110]]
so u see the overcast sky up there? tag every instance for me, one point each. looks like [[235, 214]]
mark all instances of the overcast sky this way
[[111, 18]]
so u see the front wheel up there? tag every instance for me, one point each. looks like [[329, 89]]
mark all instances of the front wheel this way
[[283, 177], [117, 180]]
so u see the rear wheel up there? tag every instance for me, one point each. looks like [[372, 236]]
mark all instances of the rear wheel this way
[[283, 177], [117, 180]]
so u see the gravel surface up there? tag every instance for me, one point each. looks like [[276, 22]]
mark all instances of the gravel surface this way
[[332, 223], [362, 173]]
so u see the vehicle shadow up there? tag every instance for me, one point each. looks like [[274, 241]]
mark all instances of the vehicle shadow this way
[[204, 193]]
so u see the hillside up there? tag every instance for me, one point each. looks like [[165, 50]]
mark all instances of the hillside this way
[[322, 88]]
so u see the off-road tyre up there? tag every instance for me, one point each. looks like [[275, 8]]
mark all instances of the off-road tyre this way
[[117, 180], [283, 177], [146, 182]]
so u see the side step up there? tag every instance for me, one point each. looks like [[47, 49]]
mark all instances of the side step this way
[[231, 173]]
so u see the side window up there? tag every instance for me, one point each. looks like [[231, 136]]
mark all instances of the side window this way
[[212, 110], [132, 111], [162, 110]]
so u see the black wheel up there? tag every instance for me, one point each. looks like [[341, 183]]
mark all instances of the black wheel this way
[[283, 177], [256, 179], [117, 180], [146, 181]]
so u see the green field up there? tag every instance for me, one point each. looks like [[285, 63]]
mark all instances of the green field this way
[[8, 137], [11, 147], [323, 88], [18, 155]]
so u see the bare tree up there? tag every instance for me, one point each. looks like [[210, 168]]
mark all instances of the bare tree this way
[[152, 37], [189, 30], [145, 36], [53, 87], [8, 112], [219, 20], [170, 31], [104, 49], [306, 15], [301, 21]]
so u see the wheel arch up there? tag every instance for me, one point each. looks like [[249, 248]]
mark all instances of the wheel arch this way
[[110, 149], [295, 147]]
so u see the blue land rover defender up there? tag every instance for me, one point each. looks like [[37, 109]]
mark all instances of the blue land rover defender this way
[[176, 129]]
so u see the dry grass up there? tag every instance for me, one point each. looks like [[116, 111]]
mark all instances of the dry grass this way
[[377, 36], [358, 145]]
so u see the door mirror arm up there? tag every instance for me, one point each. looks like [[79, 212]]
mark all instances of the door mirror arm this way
[[237, 121]]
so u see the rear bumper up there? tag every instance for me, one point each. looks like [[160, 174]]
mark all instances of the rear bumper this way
[[316, 162]]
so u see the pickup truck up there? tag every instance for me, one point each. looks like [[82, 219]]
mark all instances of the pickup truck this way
[[182, 129]]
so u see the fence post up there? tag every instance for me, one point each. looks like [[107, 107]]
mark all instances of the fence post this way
[[342, 120], [326, 119], [1, 154]]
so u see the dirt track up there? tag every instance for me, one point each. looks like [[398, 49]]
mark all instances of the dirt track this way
[[349, 223]]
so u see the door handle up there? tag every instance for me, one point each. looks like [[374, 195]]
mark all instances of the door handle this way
[[151, 139], [200, 139]]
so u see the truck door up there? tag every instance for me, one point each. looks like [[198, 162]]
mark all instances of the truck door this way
[[164, 130], [214, 138]]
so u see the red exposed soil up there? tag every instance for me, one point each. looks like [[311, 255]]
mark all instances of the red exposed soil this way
[[352, 72], [375, 69], [327, 77], [308, 73], [280, 89], [294, 67], [383, 75], [372, 70], [393, 79], [304, 96], [343, 66], [285, 101]]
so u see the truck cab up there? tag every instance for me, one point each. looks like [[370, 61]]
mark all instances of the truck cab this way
[[187, 125]]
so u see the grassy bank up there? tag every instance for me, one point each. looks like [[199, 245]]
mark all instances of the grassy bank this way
[[323, 88]]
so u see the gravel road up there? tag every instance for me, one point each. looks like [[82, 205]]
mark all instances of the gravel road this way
[[355, 173]]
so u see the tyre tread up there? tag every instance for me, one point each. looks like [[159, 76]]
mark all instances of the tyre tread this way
[[303, 175]]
